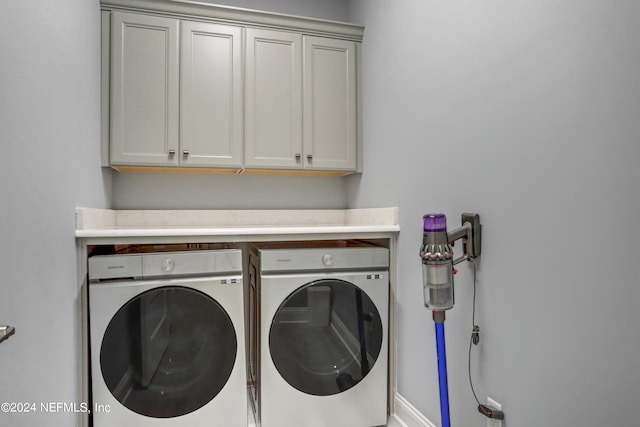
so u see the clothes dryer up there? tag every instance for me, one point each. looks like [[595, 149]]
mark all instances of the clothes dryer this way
[[167, 339], [323, 336]]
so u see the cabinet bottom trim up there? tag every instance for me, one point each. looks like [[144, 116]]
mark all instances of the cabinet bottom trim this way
[[176, 170], [292, 172]]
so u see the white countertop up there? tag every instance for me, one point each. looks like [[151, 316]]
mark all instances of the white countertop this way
[[107, 223]]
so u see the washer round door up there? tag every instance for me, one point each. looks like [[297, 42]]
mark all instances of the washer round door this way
[[325, 337], [168, 352]]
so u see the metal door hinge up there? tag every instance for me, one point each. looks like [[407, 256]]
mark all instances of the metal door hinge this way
[[6, 332]]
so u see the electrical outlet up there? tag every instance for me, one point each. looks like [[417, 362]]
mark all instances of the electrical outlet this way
[[492, 422]]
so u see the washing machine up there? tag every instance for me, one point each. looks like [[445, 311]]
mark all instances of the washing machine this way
[[323, 322], [167, 344]]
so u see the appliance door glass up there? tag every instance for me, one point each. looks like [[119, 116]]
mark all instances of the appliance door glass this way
[[325, 337], [168, 352]]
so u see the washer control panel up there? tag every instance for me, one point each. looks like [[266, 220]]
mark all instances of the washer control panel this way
[[167, 264]]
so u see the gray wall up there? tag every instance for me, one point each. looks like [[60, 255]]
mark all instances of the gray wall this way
[[173, 191], [50, 135], [527, 113], [154, 191]]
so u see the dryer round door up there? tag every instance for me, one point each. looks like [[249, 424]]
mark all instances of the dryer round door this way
[[325, 337], [168, 351]]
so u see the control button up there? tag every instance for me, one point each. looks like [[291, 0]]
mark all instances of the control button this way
[[168, 265], [327, 259]]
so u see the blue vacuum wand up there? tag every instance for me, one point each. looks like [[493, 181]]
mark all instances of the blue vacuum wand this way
[[437, 275], [438, 318]]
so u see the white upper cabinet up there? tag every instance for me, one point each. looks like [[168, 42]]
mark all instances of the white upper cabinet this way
[[176, 97], [273, 99], [330, 95], [210, 95], [301, 102], [144, 90], [226, 90]]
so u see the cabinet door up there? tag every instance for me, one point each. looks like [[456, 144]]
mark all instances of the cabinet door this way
[[273, 99], [330, 95], [210, 95], [144, 91]]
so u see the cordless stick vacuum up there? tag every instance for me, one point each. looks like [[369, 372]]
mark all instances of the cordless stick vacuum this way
[[437, 274]]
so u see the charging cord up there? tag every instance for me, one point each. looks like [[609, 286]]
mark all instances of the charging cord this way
[[475, 334], [485, 410]]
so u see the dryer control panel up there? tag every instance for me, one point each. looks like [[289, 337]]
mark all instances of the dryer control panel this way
[[290, 260]]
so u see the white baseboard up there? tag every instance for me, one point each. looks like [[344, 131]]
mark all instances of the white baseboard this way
[[406, 415]]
